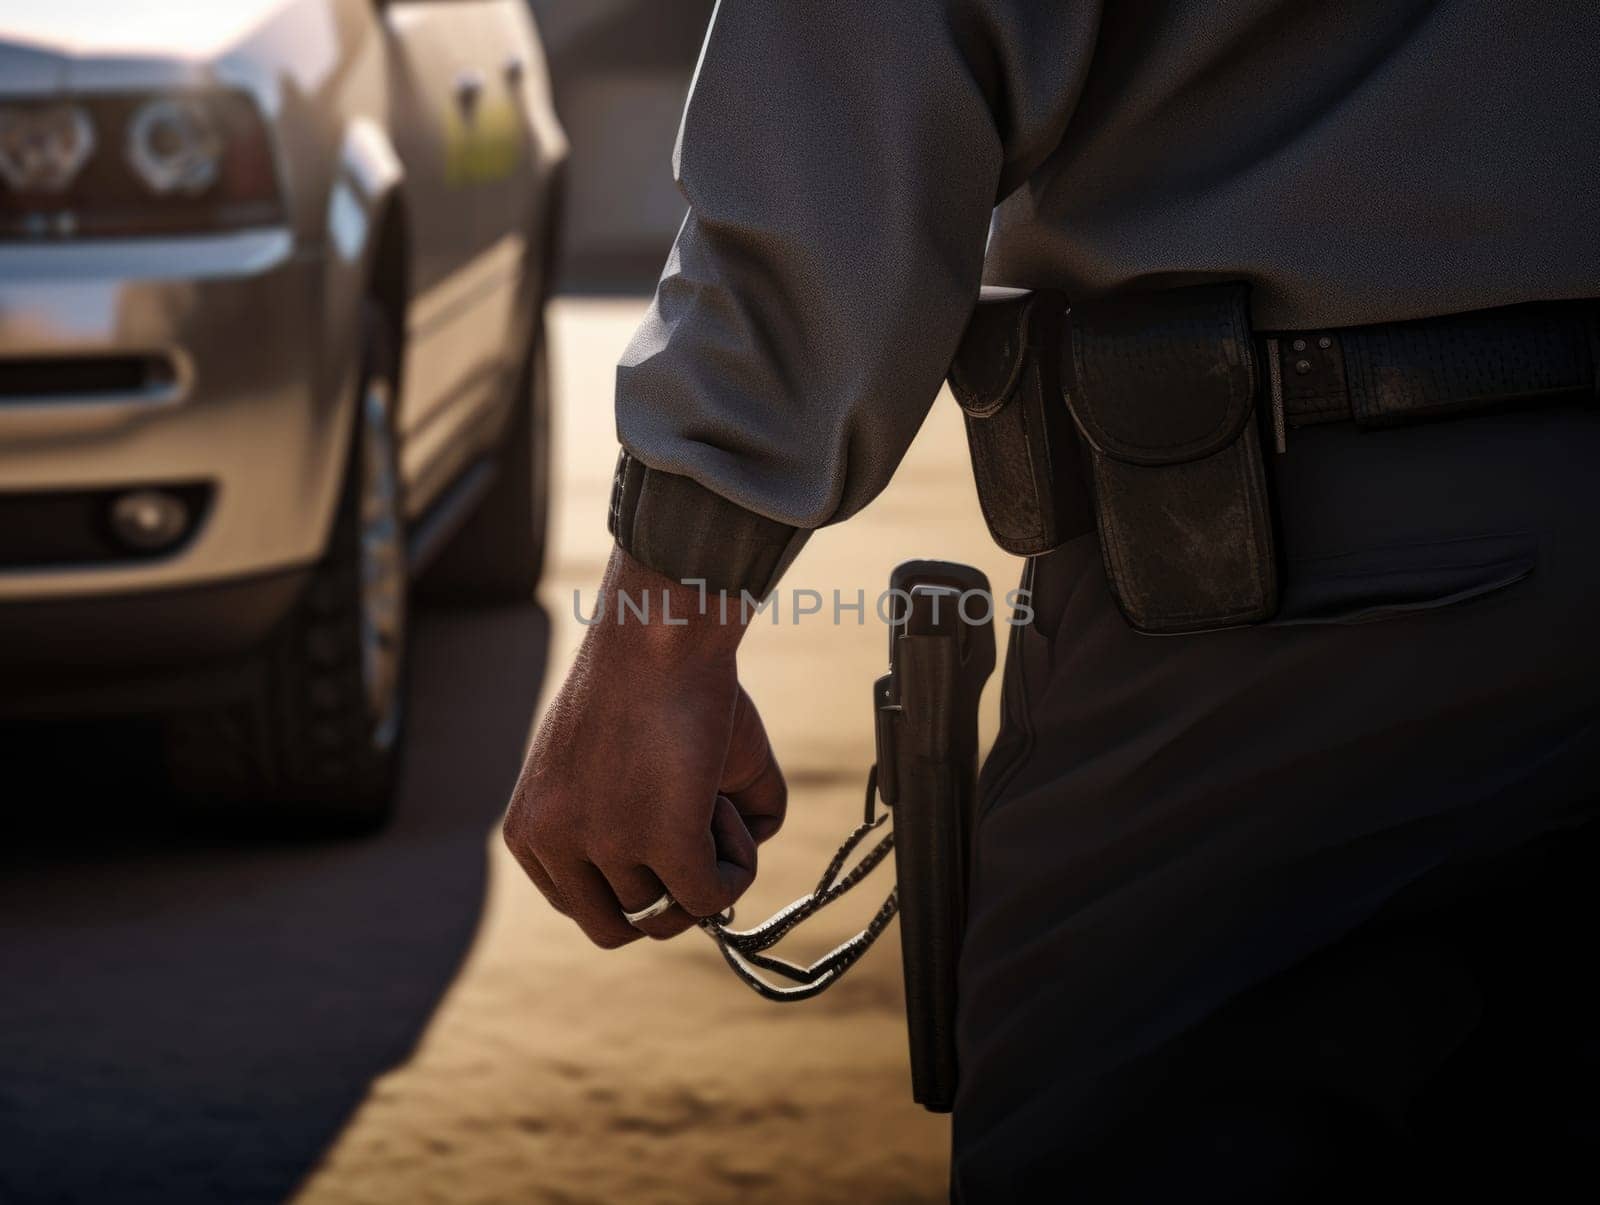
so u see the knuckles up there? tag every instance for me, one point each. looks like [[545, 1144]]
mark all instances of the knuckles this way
[[534, 826], [608, 847]]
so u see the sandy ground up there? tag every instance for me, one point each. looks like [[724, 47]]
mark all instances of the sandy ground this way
[[555, 1072], [402, 1019]]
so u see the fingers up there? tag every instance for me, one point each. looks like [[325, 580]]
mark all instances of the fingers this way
[[706, 874], [541, 879], [594, 905], [636, 888], [686, 823], [735, 852], [751, 778], [514, 832], [704, 877]]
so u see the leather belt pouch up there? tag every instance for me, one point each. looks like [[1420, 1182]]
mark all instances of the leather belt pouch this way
[[1162, 388], [1025, 453]]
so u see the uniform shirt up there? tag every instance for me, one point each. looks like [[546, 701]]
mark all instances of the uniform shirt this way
[[1356, 162]]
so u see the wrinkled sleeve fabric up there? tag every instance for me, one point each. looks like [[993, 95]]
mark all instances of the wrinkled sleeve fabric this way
[[841, 161]]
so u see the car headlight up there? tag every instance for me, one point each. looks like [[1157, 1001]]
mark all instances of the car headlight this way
[[175, 146], [43, 149], [122, 165]]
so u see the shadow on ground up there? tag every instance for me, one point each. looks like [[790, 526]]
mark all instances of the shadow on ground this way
[[185, 1018]]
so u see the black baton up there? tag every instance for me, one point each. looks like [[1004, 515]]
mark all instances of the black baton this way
[[941, 652]]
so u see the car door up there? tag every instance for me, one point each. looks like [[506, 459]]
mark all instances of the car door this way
[[514, 150], [442, 94]]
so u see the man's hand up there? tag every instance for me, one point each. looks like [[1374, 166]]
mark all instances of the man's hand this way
[[651, 772]]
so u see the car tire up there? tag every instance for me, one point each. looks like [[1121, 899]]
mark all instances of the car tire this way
[[315, 749], [498, 555]]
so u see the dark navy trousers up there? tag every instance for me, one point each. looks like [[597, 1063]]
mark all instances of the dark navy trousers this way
[[1304, 909]]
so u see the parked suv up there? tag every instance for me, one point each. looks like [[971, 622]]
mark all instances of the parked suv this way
[[272, 276]]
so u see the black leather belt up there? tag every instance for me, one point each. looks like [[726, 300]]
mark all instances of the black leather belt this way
[[1392, 373]]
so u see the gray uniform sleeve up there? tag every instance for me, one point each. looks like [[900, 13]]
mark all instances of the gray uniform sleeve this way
[[841, 160]]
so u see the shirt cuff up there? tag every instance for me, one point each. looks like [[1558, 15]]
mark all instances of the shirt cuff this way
[[677, 527]]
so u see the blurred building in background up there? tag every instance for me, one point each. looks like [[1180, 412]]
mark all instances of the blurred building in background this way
[[621, 70]]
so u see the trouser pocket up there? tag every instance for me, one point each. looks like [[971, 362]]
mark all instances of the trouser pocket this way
[[1369, 584]]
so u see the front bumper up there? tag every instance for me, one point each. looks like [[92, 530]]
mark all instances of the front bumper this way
[[119, 654], [251, 401]]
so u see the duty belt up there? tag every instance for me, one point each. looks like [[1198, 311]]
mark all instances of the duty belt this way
[[1138, 413]]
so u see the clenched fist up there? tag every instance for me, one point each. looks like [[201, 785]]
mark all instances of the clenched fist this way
[[651, 772]]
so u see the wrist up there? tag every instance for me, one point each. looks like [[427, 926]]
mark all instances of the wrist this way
[[662, 619]]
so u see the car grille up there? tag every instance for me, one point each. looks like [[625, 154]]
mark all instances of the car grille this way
[[84, 378]]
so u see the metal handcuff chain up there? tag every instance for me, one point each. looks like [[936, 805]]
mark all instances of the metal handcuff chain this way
[[745, 949]]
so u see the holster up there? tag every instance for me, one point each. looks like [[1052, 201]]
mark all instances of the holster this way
[[941, 652], [1159, 388]]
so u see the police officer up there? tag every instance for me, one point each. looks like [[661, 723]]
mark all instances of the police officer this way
[[1255, 912]]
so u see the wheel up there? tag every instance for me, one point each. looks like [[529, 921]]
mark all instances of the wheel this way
[[316, 747], [498, 555]]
